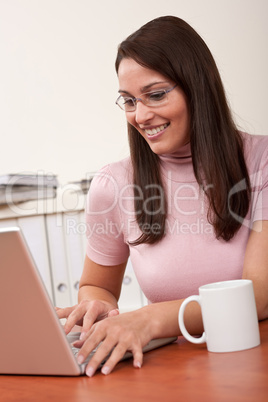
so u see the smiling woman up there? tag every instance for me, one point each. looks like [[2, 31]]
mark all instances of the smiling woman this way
[[190, 204], [164, 125], [199, 113]]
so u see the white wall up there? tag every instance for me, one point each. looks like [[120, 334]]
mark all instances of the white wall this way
[[58, 85]]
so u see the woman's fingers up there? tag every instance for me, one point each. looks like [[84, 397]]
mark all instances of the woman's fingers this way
[[75, 317], [137, 358], [64, 312], [71, 316], [106, 350], [118, 353], [95, 311], [113, 338], [85, 314]]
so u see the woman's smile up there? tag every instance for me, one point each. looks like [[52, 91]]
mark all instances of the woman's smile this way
[[151, 132]]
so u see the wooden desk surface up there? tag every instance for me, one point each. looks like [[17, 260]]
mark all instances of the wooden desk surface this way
[[178, 372]]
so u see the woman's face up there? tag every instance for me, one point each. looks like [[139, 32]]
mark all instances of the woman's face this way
[[165, 127]]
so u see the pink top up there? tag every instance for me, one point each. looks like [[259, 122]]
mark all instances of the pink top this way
[[189, 255]]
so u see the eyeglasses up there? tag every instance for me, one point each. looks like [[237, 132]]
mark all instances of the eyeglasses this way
[[152, 99]]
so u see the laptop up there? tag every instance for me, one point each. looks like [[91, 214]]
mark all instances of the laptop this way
[[32, 340]]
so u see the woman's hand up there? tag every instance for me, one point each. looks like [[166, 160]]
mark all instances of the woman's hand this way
[[99, 292], [119, 333], [85, 314], [115, 336]]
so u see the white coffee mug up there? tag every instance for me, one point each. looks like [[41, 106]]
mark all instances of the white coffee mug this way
[[229, 316]]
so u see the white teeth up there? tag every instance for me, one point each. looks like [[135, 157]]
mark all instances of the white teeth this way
[[156, 130]]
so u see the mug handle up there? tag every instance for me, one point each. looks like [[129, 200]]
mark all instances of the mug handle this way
[[184, 331]]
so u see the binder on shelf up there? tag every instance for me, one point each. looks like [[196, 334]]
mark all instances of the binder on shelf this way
[[58, 262], [82, 225], [73, 235], [131, 297]]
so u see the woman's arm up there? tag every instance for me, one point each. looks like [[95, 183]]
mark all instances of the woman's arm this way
[[256, 265], [99, 292], [133, 330]]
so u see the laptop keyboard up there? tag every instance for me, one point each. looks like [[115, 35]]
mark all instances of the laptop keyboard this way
[[72, 337]]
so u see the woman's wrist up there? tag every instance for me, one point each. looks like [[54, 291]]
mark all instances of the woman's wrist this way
[[162, 319], [92, 293]]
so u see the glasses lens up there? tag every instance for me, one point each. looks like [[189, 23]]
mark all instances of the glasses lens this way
[[156, 98], [152, 99], [126, 104]]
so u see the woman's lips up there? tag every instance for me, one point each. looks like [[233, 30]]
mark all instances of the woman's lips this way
[[156, 131]]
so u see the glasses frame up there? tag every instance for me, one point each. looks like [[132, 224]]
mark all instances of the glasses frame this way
[[136, 100]]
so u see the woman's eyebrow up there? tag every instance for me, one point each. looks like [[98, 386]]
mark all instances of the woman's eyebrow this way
[[122, 91], [145, 88]]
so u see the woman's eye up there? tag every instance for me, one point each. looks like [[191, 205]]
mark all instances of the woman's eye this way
[[128, 101], [157, 96]]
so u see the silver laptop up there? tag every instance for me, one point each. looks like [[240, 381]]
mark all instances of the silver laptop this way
[[32, 339]]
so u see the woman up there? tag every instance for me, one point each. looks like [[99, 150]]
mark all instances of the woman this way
[[190, 206]]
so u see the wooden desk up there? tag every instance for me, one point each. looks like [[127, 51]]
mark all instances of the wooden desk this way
[[178, 372]]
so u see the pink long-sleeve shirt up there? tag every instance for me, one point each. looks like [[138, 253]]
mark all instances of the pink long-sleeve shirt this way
[[189, 255]]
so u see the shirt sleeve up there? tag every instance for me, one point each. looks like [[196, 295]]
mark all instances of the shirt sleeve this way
[[260, 187], [261, 208], [105, 236]]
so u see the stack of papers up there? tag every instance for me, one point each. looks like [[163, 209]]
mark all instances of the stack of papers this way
[[15, 188], [82, 185]]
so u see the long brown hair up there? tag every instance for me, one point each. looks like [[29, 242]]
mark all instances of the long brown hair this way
[[173, 48]]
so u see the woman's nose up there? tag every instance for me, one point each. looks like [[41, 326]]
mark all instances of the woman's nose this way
[[143, 113]]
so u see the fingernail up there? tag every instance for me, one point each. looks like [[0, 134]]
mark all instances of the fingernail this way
[[80, 359], [113, 313], [105, 370], [82, 336], [137, 365], [90, 371]]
